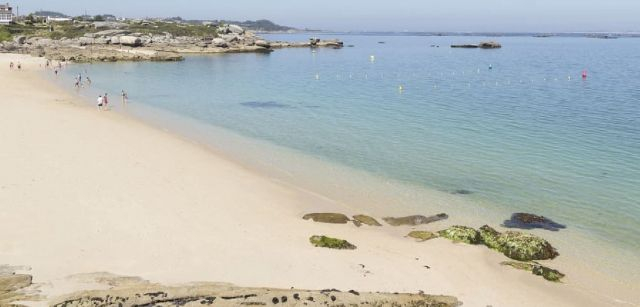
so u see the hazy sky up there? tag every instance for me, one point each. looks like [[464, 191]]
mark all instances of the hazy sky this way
[[398, 15]]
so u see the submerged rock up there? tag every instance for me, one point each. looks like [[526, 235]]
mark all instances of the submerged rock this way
[[536, 269], [414, 220], [531, 221], [422, 236], [462, 192], [461, 234], [365, 219], [328, 242], [525, 247], [332, 218]]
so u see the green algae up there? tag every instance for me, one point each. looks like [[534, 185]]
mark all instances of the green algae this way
[[490, 237], [461, 234], [536, 269], [525, 247], [328, 242]]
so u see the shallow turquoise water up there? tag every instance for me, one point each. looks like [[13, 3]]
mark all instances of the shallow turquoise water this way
[[527, 135]]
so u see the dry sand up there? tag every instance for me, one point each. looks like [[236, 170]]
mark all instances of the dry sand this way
[[84, 191]]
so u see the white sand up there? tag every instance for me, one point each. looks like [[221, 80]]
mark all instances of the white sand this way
[[85, 191]]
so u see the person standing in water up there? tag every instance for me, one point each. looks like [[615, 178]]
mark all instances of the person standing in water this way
[[124, 97], [100, 102], [106, 101]]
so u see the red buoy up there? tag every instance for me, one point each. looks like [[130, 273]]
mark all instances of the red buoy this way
[[584, 74]]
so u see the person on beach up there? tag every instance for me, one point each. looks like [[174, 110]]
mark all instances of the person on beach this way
[[105, 100], [100, 102], [124, 97], [89, 81], [19, 66], [11, 66]]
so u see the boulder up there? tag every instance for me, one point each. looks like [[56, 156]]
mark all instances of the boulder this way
[[332, 218], [20, 39], [132, 41], [110, 33], [461, 234], [328, 242], [525, 247], [531, 221], [236, 29], [219, 42], [230, 38], [489, 45], [422, 236], [262, 43], [365, 219], [414, 220]]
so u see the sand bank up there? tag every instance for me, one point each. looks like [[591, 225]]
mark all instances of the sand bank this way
[[83, 191]]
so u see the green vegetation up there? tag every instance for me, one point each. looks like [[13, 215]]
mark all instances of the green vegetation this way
[[365, 219], [176, 29], [461, 234], [332, 218], [5, 35], [327, 242], [49, 14]]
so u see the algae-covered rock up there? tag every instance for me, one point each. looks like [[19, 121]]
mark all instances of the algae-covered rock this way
[[333, 218], [547, 273], [525, 247], [422, 235], [365, 219], [328, 242], [414, 220], [461, 234], [536, 269], [490, 237]]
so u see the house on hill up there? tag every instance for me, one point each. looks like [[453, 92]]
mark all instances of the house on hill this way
[[6, 14]]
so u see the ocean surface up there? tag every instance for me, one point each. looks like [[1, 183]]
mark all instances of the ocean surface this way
[[400, 123]]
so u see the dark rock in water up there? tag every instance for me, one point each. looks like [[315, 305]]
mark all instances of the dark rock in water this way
[[365, 219], [266, 105], [536, 269], [328, 242], [332, 218], [468, 46], [414, 220], [489, 45], [461, 234], [531, 221], [461, 192]]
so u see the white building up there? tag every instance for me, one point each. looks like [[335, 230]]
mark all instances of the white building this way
[[6, 14], [58, 19]]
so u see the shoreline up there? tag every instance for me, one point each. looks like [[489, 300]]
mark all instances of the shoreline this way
[[457, 269]]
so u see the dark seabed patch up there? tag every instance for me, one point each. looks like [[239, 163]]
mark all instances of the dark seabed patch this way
[[265, 105], [461, 192], [531, 221]]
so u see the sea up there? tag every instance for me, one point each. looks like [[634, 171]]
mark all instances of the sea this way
[[402, 124]]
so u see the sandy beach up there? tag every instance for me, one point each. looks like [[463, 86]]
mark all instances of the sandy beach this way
[[84, 191]]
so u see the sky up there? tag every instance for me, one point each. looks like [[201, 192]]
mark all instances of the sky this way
[[380, 15]]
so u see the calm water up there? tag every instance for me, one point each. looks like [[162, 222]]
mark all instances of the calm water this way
[[527, 135]]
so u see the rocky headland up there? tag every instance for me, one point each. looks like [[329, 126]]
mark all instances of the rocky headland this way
[[123, 42]]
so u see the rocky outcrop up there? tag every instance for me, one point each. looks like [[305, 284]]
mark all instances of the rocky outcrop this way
[[360, 219], [328, 242], [13, 285], [482, 45], [332, 218], [531, 221], [414, 220], [132, 292], [111, 43], [422, 236], [536, 269], [513, 244], [461, 234]]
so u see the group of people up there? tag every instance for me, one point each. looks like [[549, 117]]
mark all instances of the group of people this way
[[78, 80], [13, 66], [103, 100], [56, 68]]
